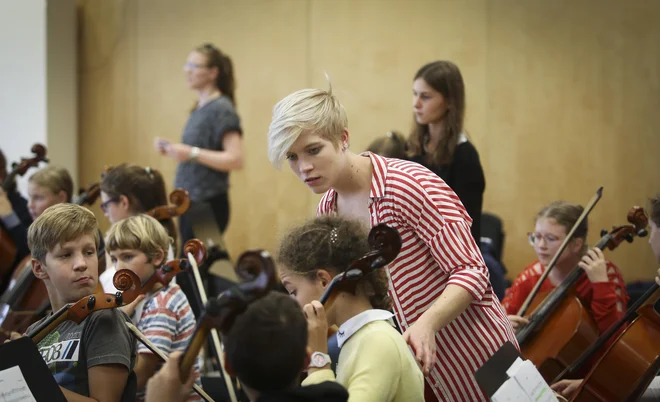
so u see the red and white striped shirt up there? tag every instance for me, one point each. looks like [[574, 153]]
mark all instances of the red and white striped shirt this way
[[437, 250]]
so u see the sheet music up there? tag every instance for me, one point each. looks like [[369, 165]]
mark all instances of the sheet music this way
[[13, 387]]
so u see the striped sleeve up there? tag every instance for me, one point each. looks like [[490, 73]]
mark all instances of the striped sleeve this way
[[159, 322], [437, 217]]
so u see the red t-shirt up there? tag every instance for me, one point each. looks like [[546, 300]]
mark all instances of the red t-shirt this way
[[606, 301]]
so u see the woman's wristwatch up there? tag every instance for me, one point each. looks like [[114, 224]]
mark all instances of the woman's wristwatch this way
[[319, 360], [194, 153]]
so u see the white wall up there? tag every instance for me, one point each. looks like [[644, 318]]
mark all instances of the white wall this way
[[38, 89]]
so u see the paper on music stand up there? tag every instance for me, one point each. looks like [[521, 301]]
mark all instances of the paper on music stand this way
[[13, 387]]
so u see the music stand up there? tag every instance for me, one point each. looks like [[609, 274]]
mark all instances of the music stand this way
[[23, 353]]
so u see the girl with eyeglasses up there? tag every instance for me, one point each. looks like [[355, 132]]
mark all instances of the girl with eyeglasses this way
[[601, 290], [212, 142]]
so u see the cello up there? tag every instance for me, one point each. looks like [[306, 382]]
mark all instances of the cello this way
[[7, 247], [632, 361], [560, 327]]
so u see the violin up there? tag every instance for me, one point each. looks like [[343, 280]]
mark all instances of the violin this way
[[89, 195], [7, 247], [385, 245], [256, 270], [164, 275], [560, 327], [630, 363], [28, 299], [124, 280], [181, 201]]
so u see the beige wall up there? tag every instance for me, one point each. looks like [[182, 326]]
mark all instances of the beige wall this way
[[562, 96]]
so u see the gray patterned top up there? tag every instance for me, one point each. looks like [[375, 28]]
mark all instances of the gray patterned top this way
[[205, 129]]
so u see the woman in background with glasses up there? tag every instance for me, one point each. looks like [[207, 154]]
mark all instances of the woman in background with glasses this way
[[602, 290], [212, 143]]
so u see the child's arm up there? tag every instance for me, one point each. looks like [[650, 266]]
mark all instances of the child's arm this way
[[110, 354], [145, 368], [106, 384]]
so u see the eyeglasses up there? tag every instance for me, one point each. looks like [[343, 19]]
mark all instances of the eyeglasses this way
[[535, 238], [104, 205], [193, 66]]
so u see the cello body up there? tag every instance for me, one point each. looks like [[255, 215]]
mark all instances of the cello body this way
[[568, 330], [7, 251], [629, 365]]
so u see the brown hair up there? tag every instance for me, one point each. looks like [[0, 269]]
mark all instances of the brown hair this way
[[655, 209], [391, 145], [59, 224], [225, 82], [446, 78], [332, 243], [566, 214], [55, 179], [144, 188]]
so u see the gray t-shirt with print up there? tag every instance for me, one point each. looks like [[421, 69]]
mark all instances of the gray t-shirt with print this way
[[71, 349], [206, 128]]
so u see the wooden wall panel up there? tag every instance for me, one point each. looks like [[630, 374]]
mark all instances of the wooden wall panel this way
[[562, 96], [569, 109]]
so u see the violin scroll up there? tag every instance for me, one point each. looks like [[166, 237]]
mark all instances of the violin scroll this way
[[639, 221], [19, 169], [197, 249], [128, 283], [386, 241], [181, 201], [256, 268]]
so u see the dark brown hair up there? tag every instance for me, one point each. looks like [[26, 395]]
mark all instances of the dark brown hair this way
[[144, 188], [275, 319], [332, 244], [655, 209], [225, 82], [446, 78], [391, 145]]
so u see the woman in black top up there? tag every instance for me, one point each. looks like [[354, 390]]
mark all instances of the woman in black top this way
[[438, 141], [212, 143]]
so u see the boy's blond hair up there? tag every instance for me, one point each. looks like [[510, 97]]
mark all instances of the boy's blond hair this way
[[55, 179], [59, 224], [139, 232], [312, 110]]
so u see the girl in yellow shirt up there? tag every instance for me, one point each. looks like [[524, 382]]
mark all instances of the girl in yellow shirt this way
[[375, 363]]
